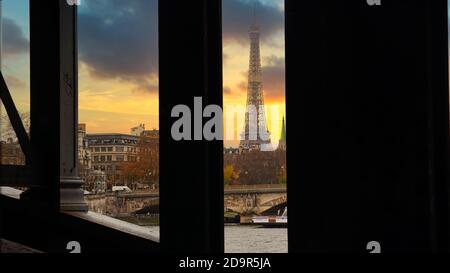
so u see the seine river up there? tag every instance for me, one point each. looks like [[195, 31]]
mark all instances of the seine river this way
[[252, 239]]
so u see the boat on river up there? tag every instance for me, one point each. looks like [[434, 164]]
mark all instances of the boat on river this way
[[271, 221]]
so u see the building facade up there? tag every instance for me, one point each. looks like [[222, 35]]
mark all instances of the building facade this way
[[84, 155], [121, 159], [109, 152], [138, 130], [11, 153], [149, 154]]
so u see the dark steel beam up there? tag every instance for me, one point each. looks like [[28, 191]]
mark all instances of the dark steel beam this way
[[14, 117], [14, 176], [31, 226], [54, 110], [438, 70], [191, 172], [367, 159]]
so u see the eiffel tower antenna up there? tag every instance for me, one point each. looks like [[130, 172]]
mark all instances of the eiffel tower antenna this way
[[254, 12]]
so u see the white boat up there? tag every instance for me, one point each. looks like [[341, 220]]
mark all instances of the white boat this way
[[283, 219], [271, 220], [260, 220]]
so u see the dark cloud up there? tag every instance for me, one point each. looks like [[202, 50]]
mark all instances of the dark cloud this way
[[238, 16], [273, 78], [242, 86], [145, 87], [118, 39], [14, 41], [225, 58], [274, 60], [227, 90]]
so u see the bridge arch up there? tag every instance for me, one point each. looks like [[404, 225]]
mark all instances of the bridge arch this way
[[275, 209]]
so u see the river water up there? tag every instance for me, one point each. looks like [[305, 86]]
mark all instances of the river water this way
[[252, 239]]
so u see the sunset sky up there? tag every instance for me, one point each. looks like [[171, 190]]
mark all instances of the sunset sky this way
[[118, 59]]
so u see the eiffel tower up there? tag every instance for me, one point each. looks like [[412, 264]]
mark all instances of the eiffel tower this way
[[255, 135]]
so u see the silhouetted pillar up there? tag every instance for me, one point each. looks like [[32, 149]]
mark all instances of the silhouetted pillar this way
[[191, 172], [54, 104], [72, 192]]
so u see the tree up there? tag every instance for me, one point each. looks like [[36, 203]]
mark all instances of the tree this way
[[10, 150], [228, 174], [6, 129], [145, 170]]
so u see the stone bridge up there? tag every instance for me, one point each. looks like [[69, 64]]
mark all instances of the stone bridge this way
[[121, 204], [251, 200], [244, 200]]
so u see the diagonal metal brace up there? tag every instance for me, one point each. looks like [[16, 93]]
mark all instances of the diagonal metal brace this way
[[14, 117]]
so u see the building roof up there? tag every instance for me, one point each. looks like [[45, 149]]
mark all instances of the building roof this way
[[111, 135], [111, 138]]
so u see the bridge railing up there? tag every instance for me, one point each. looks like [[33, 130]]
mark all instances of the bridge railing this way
[[255, 187]]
